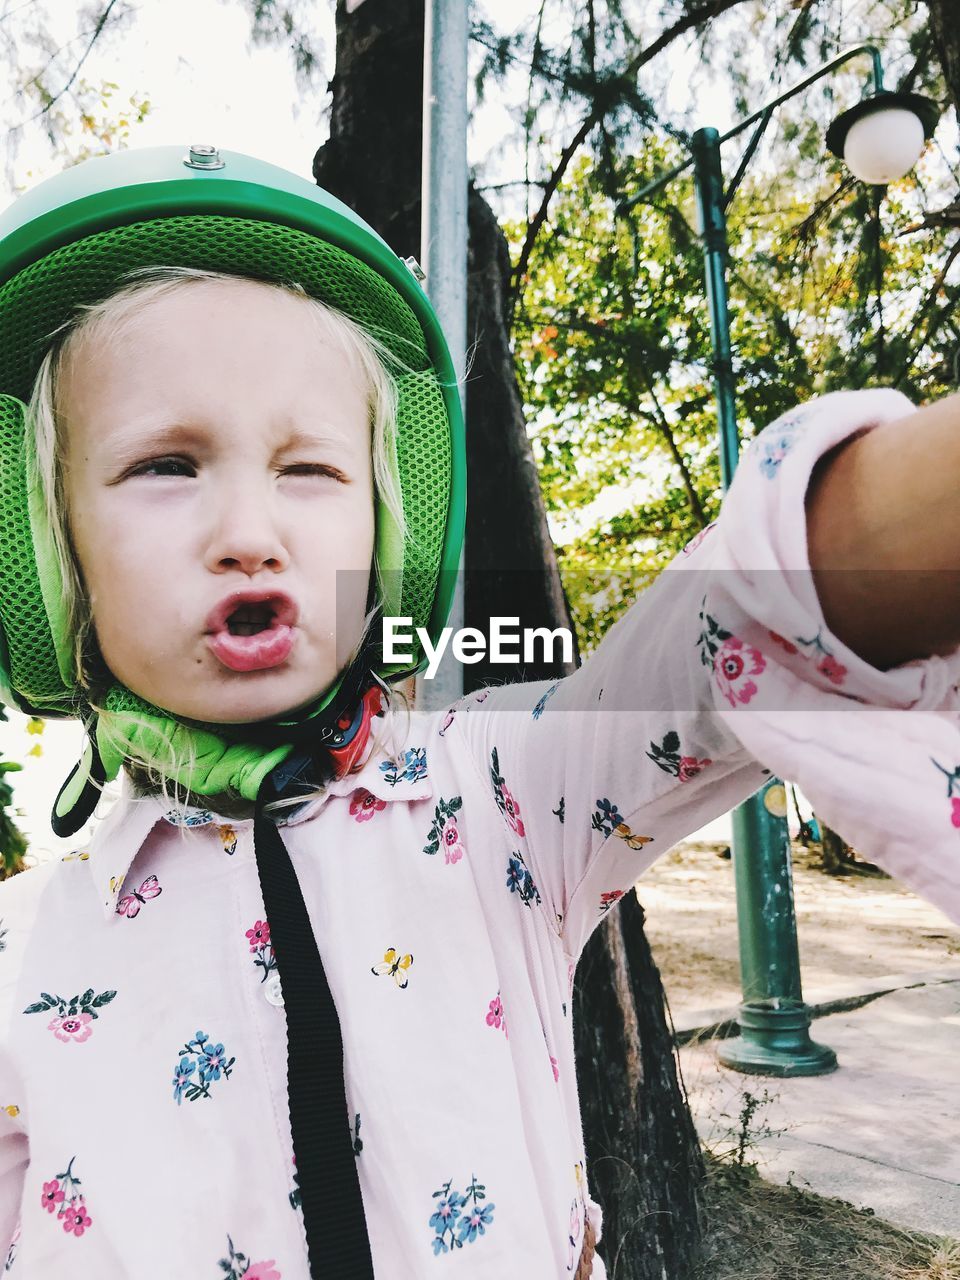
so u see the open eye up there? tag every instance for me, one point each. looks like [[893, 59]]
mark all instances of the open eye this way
[[170, 466]]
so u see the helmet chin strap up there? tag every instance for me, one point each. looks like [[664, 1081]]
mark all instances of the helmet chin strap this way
[[325, 739]]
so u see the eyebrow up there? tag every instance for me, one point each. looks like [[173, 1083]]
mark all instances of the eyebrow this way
[[301, 439], [130, 440]]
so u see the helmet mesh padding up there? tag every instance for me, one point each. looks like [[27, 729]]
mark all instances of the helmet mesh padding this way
[[33, 664], [36, 302], [42, 295]]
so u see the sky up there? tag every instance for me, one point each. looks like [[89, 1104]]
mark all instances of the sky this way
[[207, 83]]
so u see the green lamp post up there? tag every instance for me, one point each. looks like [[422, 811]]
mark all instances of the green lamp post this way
[[880, 139]]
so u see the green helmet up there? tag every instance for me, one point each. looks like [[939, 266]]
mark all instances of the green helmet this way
[[72, 240]]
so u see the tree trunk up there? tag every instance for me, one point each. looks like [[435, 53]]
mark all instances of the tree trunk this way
[[836, 855], [946, 36], [638, 1130], [643, 1154], [511, 562]]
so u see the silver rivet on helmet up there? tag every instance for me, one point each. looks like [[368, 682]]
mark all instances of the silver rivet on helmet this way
[[201, 156], [414, 267]]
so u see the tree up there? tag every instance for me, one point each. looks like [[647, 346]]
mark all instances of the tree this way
[[946, 36], [45, 56], [824, 294]]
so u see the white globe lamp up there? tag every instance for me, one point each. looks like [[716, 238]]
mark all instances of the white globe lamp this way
[[881, 138]]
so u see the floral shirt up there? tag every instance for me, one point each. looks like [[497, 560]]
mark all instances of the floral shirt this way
[[144, 1128]]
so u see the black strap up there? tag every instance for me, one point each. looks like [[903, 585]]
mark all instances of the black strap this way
[[337, 1240], [73, 806]]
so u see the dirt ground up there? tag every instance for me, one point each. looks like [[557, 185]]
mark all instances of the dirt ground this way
[[852, 930], [757, 1231], [849, 927]]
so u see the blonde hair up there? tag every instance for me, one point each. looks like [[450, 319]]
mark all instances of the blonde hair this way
[[377, 364]]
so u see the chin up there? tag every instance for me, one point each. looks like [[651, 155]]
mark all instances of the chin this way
[[254, 709]]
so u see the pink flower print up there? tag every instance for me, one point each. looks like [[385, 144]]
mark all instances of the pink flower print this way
[[784, 644], [447, 721], [238, 1267], [690, 766], [834, 671], [608, 899], [734, 664], [511, 811], [450, 839], [72, 1017], [261, 1271], [556, 1069], [76, 1219], [74, 1027], [955, 815], [259, 935], [496, 1017], [574, 1236], [503, 796], [696, 540], [52, 1196], [445, 831], [364, 805]]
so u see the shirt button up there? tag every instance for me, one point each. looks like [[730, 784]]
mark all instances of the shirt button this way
[[273, 991]]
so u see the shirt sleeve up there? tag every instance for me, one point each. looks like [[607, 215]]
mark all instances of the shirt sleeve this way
[[721, 673]]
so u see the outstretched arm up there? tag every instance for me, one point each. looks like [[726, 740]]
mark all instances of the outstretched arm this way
[[883, 528]]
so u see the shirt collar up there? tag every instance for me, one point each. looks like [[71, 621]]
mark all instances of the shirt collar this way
[[118, 839], [120, 836]]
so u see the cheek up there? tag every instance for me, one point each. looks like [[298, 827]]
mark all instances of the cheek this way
[[346, 557], [342, 536], [126, 575]]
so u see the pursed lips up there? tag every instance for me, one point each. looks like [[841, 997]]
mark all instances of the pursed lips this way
[[252, 630]]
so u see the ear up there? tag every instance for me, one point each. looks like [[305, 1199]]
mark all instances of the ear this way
[[35, 657]]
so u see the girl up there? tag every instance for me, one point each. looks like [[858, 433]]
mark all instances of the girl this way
[[303, 1007]]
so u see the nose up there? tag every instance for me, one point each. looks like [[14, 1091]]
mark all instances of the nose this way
[[244, 532]]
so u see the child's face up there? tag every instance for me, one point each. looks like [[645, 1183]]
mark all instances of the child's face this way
[[221, 445]]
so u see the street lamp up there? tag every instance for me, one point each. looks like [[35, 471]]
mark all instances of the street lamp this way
[[880, 139]]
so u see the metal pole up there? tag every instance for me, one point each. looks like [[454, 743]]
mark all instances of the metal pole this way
[[443, 237], [774, 1021], [713, 230], [658, 183]]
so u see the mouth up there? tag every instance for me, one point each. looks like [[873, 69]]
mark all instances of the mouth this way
[[252, 630]]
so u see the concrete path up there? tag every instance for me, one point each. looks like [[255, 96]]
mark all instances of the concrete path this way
[[883, 1130]]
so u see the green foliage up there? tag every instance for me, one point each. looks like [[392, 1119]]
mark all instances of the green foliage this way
[[831, 285], [95, 122], [43, 51], [13, 843]]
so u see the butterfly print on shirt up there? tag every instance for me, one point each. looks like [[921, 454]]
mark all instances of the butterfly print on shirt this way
[[130, 904]]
